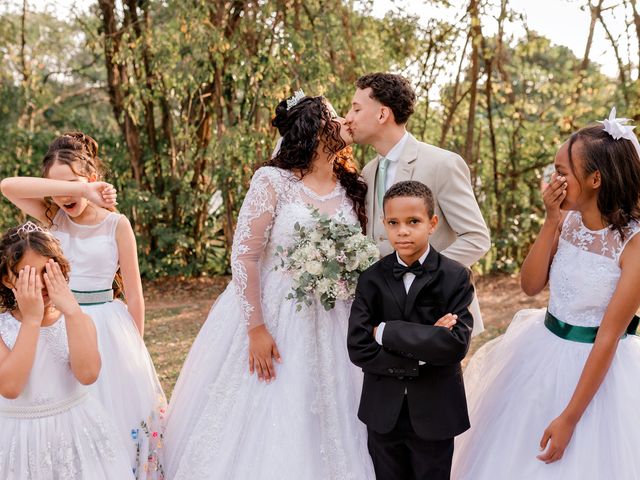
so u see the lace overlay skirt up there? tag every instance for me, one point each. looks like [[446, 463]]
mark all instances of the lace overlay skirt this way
[[223, 423]]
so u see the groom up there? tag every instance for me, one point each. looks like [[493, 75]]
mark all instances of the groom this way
[[380, 110]]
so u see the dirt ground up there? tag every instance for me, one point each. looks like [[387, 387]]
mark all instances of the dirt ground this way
[[176, 310]]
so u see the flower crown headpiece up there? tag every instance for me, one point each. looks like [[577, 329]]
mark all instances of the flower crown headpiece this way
[[294, 99], [27, 228], [618, 128]]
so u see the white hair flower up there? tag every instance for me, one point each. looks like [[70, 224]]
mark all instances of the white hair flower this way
[[618, 128]]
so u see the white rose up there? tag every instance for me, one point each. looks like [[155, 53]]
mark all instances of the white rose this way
[[326, 245], [313, 267], [324, 286], [315, 236], [351, 264]]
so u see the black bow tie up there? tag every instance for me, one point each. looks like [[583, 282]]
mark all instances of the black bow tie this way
[[399, 270]]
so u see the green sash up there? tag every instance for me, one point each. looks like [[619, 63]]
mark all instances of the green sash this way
[[576, 333], [93, 297]]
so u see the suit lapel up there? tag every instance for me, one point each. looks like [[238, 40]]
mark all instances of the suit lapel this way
[[396, 286], [430, 265], [406, 160]]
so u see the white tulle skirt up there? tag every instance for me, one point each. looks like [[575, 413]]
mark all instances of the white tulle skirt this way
[[76, 444], [128, 387], [518, 383], [224, 424]]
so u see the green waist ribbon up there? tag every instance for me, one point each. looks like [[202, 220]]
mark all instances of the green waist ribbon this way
[[576, 333], [93, 297]]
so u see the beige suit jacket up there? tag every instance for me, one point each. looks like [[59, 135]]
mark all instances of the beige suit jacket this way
[[462, 233]]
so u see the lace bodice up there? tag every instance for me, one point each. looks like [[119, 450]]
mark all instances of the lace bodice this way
[[92, 250], [276, 200], [51, 378], [585, 271]]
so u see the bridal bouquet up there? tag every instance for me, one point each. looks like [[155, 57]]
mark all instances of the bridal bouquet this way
[[326, 260]]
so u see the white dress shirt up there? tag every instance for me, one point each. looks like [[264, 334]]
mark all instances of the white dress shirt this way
[[407, 279], [393, 155]]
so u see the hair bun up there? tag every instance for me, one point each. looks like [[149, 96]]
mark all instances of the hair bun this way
[[281, 118], [89, 145]]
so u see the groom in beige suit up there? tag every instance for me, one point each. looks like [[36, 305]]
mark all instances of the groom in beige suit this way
[[381, 107]]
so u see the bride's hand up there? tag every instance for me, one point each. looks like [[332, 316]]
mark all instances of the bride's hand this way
[[556, 437], [262, 349]]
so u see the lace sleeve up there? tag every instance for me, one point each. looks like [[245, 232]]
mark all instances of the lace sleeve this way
[[251, 236]]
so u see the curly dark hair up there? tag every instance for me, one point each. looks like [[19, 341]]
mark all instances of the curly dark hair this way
[[411, 188], [619, 166], [393, 91], [301, 128], [13, 246], [79, 152]]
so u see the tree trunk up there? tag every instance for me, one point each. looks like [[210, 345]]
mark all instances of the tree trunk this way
[[116, 79], [476, 38], [584, 65]]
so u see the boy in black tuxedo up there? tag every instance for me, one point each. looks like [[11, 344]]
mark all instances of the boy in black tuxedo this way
[[409, 329]]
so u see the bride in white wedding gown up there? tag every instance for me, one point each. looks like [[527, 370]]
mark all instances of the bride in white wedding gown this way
[[294, 417]]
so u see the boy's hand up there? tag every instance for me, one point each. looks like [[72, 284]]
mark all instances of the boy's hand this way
[[448, 321]]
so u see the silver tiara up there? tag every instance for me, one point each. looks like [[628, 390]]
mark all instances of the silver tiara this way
[[29, 227], [293, 100]]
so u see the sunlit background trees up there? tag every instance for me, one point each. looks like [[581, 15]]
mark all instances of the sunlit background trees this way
[[180, 94]]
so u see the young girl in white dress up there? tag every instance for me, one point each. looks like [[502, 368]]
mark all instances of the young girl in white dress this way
[[556, 397], [268, 392], [98, 242], [50, 428]]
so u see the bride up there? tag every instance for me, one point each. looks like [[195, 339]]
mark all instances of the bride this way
[[268, 392]]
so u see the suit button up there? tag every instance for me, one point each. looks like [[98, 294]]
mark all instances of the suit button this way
[[391, 370], [400, 378], [381, 238]]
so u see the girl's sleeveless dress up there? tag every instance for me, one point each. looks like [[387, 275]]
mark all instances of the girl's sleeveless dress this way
[[128, 386], [520, 382]]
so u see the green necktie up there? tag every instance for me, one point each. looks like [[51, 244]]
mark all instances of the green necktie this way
[[382, 179]]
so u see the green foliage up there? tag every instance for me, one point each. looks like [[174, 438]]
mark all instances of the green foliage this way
[[180, 96]]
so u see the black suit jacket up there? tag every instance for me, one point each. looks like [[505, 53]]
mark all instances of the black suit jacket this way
[[435, 391]]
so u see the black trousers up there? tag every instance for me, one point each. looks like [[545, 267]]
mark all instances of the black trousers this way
[[402, 455]]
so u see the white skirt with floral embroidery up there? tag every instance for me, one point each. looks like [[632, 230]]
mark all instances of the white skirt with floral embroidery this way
[[128, 387]]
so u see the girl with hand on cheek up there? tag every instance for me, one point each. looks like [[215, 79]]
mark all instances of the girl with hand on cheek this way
[[555, 393]]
